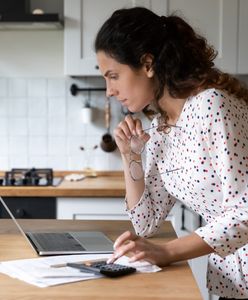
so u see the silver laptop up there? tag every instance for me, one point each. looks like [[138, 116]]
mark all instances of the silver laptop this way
[[60, 243]]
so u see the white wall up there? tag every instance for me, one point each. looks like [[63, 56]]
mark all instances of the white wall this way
[[31, 53], [40, 121]]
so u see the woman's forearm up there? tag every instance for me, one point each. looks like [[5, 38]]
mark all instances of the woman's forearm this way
[[134, 189], [185, 248]]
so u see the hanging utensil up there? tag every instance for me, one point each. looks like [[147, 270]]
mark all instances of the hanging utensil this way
[[108, 143]]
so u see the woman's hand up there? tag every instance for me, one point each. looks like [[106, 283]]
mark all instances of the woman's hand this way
[[139, 248], [124, 132]]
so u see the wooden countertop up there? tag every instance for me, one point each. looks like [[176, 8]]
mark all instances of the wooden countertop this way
[[105, 184], [174, 282]]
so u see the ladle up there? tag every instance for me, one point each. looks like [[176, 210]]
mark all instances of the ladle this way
[[108, 143]]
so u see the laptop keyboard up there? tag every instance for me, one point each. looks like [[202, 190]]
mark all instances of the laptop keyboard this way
[[57, 241]]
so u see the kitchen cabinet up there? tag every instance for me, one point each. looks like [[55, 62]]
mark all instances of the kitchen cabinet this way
[[83, 18], [223, 23], [217, 20], [29, 207], [103, 208], [242, 38]]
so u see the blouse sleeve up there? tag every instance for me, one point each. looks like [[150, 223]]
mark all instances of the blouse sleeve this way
[[155, 203], [224, 129]]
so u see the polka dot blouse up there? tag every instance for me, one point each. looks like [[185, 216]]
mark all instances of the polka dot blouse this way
[[210, 150]]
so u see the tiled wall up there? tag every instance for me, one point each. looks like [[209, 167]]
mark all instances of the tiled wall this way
[[41, 125]]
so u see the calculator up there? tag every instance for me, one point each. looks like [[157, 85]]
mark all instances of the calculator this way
[[110, 270]]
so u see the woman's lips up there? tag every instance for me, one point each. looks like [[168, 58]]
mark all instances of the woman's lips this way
[[123, 102]]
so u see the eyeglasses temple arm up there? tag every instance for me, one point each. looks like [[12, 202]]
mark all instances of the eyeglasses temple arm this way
[[153, 127]]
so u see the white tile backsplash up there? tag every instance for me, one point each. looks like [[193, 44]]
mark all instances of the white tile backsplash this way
[[98, 162], [57, 127], [75, 127], [3, 87], [37, 161], [18, 126], [56, 107], [20, 161], [37, 145], [74, 106], [75, 162], [18, 87], [18, 146], [56, 88], [4, 146], [4, 126], [37, 126], [37, 87], [18, 107], [4, 107], [73, 146], [37, 107], [41, 125], [4, 162], [57, 145], [57, 162]]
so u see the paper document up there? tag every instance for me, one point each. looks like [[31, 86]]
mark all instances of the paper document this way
[[38, 271]]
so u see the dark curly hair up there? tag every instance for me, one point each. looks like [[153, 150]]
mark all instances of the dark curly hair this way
[[182, 59]]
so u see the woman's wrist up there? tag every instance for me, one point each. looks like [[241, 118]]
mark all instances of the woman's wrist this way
[[184, 248], [126, 158], [169, 256]]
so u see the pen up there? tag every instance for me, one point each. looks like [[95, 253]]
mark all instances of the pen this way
[[86, 263], [84, 268]]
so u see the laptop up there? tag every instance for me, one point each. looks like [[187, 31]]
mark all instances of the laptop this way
[[61, 243]]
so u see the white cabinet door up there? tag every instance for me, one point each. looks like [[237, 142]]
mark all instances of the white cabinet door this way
[[243, 37], [223, 22], [91, 208], [217, 20], [83, 19]]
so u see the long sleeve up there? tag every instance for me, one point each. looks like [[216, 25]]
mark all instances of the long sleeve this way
[[155, 203], [224, 130]]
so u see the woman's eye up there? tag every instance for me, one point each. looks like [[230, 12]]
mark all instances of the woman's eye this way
[[114, 77]]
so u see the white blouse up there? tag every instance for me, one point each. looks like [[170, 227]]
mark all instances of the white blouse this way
[[210, 148]]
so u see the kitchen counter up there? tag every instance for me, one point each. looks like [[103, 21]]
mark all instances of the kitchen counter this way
[[105, 184], [173, 282]]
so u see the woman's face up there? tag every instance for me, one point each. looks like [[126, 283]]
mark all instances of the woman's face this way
[[134, 89]]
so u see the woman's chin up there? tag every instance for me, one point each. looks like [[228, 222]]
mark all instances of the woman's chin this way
[[134, 109]]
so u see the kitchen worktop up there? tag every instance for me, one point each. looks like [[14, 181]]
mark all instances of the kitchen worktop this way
[[104, 184], [173, 282]]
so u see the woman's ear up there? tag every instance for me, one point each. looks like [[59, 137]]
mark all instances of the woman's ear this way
[[147, 62], [150, 73]]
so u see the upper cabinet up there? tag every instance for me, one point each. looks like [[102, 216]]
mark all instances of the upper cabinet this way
[[83, 19], [223, 22], [217, 20], [242, 67]]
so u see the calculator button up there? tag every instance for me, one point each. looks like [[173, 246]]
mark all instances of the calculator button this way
[[113, 270]]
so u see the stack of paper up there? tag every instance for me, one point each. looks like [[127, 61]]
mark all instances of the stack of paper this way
[[38, 271]]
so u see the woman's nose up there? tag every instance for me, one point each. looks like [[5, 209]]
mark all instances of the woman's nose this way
[[110, 92]]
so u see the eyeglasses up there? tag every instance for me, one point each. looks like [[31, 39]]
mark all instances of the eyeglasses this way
[[137, 146]]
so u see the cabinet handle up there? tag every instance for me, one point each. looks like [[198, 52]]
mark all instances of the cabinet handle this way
[[183, 217], [97, 67], [20, 213]]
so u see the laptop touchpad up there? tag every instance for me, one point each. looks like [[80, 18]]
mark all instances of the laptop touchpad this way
[[93, 240]]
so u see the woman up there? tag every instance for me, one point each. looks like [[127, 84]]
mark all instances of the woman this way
[[197, 148]]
